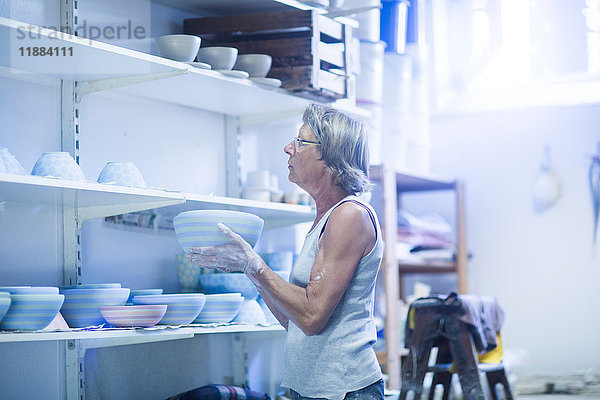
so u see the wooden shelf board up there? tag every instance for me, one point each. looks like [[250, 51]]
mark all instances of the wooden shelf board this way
[[409, 182], [426, 268]]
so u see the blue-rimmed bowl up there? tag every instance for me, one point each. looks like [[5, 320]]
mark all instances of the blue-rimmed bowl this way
[[4, 303], [142, 292], [219, 308], [199, 228], [92, 286], [82, 306], [129, 316], [31, 311], [233, 282], [182, 308], [29, 289]]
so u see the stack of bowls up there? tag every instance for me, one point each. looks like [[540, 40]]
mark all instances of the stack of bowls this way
[[31, 308], [82, 304], [143, 316], [250, 313], [219, 308], [182, 308], [199, 228]]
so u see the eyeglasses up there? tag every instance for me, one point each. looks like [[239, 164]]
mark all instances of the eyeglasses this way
[[299, 143]]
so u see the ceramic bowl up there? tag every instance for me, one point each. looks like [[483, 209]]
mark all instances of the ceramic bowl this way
[[131, 316], [9, 164], [234, 282], [257, 65], [4, 303], [142, 292], [178, 47], [122, 173], [58, 164], [257, 194], [182, 308], [92, 286], [199, 228], [219, 308], [29, 289], [219, 58], [82, 306], [250, 313], [279, 261], [31, 311]]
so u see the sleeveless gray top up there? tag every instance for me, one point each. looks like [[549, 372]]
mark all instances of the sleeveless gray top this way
[[341, 358]]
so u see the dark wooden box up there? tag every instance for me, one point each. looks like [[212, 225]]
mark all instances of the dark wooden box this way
[[309, 50]]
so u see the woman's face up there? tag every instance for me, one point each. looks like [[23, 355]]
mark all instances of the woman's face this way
[[304, 164]]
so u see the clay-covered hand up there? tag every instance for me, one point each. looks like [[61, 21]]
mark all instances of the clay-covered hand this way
[[235, 256]]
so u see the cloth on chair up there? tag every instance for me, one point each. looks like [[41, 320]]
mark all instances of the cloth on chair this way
[[483, 314], [486, 317]]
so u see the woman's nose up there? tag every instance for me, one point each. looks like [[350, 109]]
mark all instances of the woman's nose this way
[[289, 148]]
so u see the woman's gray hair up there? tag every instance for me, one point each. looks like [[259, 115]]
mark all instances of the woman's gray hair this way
[[344, 146]]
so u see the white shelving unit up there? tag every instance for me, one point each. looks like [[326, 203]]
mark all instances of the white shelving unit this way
[[117, 337], [100, 66], [87, 66]]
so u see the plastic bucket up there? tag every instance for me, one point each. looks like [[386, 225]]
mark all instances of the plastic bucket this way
[[394, 15]]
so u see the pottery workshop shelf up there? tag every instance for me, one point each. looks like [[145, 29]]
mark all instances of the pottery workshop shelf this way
[[118, 337], [92, 200], [274, 214]]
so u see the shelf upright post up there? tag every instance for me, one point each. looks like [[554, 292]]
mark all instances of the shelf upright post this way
[[240, 359], [71, 232], [233, 177], [461, 245], [391, 276]]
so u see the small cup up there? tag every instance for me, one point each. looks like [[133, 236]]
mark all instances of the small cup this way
[[58, 164], [290, 197], [122, 173]]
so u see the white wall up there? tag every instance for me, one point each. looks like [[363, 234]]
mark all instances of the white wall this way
[[542, 266]]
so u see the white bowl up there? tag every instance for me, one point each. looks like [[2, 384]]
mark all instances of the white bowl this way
[[58, 164], [122, 173], [178, 47], [141, 315], [9, 164], [257, 65], [219, 58], [182, 308]]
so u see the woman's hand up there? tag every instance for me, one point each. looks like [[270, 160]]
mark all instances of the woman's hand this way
[[236, 256]]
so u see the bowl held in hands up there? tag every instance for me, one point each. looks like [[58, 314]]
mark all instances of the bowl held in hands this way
[[199, 228]]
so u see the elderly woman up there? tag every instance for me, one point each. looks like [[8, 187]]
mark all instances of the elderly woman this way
[[327, 307]]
